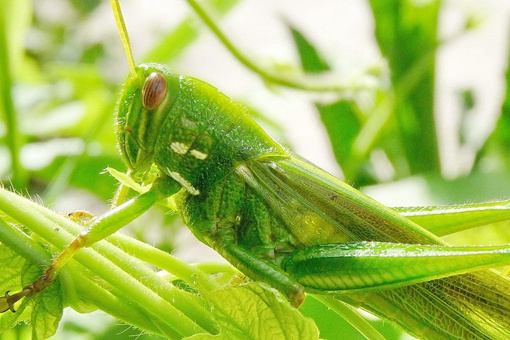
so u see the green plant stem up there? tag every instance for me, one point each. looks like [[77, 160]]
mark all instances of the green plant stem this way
[[120, 195], [22, 244], [382, 114], [216, 267], [306, 83], [143, 252], [115, 219], [124, 285], [74, 281], [14, 140], [140, 251], [187, 303], [385, 110], [351, 316], [187, 31], [118, 307], [190, 274]]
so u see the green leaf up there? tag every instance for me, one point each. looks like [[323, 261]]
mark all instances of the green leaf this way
[[47, 312], [342, 125], [8, 320], [311, 61], [47, 305], [330, 322], [255, 311], [88, 173], [125, 180], [86, 6], [12, 265], [498, 144], [341, 120], [406, 32]]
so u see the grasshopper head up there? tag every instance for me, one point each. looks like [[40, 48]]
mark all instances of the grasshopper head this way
[[146, 99]]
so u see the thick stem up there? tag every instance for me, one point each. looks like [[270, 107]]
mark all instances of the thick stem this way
[[300, 83], [125, 286], [13, 137]]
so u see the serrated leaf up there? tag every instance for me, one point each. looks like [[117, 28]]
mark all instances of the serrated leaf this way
[[47, 305], [47, 312], [256, 311], [12, 265]]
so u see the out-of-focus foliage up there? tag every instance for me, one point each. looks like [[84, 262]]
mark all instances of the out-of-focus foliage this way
[[58, 95]]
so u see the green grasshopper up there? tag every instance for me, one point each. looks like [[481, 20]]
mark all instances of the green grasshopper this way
[[283, 221]]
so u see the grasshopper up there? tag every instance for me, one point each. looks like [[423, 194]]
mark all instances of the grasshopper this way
[[282, 220]]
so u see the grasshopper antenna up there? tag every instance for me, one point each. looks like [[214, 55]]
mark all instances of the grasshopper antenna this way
[[124, 37]]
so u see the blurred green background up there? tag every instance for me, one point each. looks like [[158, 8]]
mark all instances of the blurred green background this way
[[424, 117]]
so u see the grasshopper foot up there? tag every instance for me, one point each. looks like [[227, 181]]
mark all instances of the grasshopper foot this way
[[297, 296], [7, 301]]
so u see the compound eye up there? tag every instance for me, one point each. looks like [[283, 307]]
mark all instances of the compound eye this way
[[154, 90]]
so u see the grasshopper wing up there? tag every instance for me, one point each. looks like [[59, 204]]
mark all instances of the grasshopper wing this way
[[318, 209]]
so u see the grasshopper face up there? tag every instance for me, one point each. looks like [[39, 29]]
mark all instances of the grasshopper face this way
[[146, 98]]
